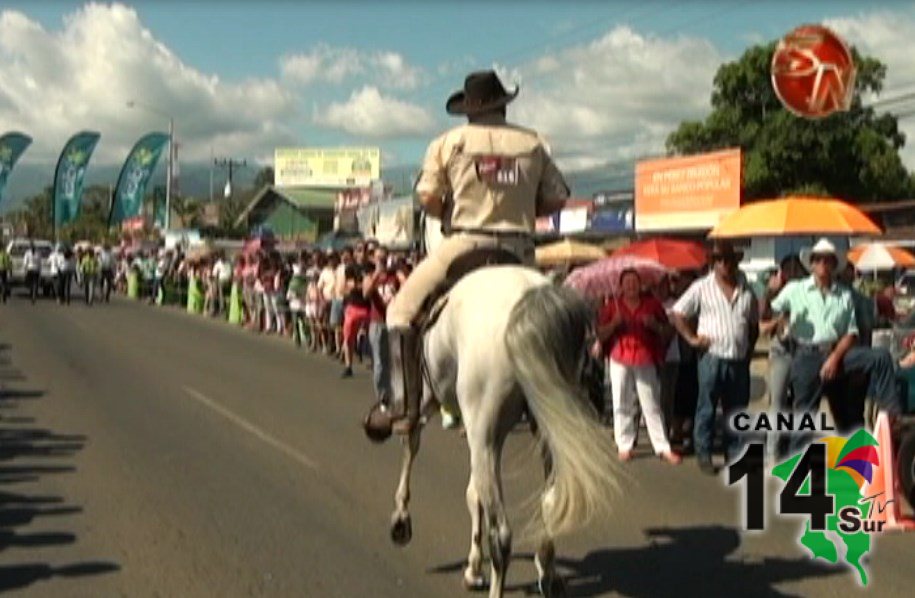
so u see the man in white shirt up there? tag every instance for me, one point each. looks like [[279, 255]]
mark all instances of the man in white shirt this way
[[327, 282], [728, 326], [31, 263], [106, 269], [222, 275], [60, 270]]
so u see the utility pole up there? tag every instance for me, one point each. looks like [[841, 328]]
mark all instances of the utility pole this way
[[231, 164]]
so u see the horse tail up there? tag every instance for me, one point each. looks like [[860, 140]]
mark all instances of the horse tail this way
[[545, 341]]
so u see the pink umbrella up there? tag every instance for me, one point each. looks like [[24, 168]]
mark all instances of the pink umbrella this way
[[602, 278]]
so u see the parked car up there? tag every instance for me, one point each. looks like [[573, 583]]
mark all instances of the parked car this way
[[16, 250]]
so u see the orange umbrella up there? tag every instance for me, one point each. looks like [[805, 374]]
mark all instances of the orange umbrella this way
[[670, 253], [795, 216], [876, 256]]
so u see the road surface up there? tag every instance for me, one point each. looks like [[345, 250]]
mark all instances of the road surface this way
[[146, 452]]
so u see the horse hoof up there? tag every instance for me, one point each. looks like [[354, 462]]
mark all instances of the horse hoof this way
[[475, 583], [401, 530], [551, 587]]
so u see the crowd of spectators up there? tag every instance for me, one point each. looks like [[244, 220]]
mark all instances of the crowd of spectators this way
[[672, 351], [329, 301]]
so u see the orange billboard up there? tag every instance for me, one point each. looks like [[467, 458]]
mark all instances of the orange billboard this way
[[686, 193]]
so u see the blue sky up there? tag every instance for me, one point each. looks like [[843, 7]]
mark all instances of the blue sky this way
[[603, 80]]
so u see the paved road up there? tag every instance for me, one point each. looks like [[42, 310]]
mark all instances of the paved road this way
[[145, 452]]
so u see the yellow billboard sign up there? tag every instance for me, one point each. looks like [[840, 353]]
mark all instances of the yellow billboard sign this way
[[326, 167]]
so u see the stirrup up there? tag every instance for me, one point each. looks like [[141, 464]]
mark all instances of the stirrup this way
[[377, 424]]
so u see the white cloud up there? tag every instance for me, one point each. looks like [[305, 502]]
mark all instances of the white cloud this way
[[615, 98], [368, 113], [57, 82], [326, 64], [888, 37]]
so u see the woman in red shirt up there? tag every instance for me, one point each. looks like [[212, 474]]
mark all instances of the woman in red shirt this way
[[634, 328]]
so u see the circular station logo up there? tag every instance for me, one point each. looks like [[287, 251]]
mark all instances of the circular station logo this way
[[813, 72]]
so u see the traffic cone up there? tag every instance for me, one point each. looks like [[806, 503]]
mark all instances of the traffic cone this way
[[885, 482]]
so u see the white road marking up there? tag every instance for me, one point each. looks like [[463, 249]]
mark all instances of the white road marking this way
[[252, 429]]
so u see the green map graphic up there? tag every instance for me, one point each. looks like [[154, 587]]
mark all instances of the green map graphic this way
[[846, 492]]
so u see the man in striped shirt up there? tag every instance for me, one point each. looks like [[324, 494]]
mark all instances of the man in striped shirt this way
[[726, 335]]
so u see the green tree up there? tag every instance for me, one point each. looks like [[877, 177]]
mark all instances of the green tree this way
[[852, 155], [91, 223], [187, 209], [36, 215]]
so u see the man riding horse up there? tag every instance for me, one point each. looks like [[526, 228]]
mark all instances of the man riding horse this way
[[500, 178]]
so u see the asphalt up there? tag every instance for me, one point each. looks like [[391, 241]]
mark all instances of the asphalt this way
[[147, 452]]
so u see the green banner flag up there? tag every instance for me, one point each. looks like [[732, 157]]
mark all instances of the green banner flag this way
[[68, 177], [139, 166], [12, 145]]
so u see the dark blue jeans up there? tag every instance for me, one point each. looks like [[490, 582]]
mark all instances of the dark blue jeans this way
[[808, 389], [727, 380]]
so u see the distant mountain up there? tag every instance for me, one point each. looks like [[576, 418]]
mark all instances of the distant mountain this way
[[27, 180]]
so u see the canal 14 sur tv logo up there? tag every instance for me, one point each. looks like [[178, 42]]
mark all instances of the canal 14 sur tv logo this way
[[833, 484]]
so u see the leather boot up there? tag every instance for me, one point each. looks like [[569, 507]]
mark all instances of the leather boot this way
[[406, 381], [406, 385]]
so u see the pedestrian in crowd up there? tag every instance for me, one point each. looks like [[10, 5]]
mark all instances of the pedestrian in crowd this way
[[635, 330], [790, 269], [865, 311], [57, 265], [88, 267], [222, 277], [379, 286], [267, 281], [249, 293], [106, 271], [120, 279], [281, 276], [160, 274], [819, 315], [296, 298], [687, 387], [337, 306], [31, 264], [499, 178], [6, 269], [669, 368], [356, 308], [728, 326], [61, 273], [71, 266], [314, 302]]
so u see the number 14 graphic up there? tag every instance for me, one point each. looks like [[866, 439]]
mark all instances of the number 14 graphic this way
[[814, 502]]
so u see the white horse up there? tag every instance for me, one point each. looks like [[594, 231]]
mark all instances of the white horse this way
[[507, 339]]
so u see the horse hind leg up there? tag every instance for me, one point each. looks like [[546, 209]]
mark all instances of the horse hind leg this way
[[474, 580], [401, 523], [548, 583], [484, 468]]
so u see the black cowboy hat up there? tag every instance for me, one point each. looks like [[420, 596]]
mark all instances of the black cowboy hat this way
[[482, 92]]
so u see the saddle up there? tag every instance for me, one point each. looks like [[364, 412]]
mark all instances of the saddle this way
[[459, 268]]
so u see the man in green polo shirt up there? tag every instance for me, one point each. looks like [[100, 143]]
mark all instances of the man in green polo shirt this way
[[820, 316]]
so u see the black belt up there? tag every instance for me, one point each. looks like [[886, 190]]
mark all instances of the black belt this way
[[507, 234], [823, 348]]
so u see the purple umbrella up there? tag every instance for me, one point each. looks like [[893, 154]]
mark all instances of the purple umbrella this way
[[602, 278]]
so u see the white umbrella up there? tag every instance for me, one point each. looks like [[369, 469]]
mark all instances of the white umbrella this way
[[876, 257]]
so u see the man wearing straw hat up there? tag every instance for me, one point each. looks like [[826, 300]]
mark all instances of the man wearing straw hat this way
[[499, 177], [819, 315]]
